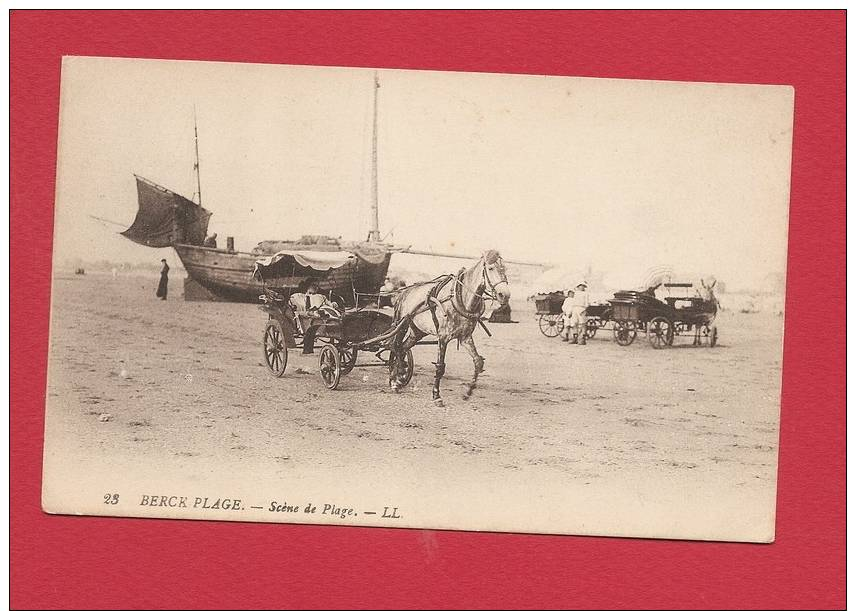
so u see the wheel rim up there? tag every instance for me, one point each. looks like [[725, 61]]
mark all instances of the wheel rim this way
[[713, 337], [591, 328], [624, 332], [660, 333], [550, 325], [405, 375], [275, 352], [330, 367], [349, 359]]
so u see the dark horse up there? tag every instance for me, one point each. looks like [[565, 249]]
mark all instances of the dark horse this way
[[448, 307]]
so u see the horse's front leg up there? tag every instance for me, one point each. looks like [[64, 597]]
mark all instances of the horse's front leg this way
[[440, 369], [478, 365]]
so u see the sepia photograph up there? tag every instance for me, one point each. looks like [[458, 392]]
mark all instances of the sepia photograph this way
[[417, 299]]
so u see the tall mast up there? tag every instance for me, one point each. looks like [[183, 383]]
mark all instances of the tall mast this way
[[196, 165], [374, 234]]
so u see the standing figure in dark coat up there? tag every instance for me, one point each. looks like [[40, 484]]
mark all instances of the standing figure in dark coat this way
[[164, 280]]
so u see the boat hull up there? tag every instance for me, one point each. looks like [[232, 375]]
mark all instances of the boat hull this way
[[228, 275]]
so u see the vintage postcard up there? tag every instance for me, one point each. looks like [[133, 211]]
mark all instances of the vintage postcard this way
[[417, 299]]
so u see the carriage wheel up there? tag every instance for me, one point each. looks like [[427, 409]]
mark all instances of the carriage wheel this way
[[591, 328], [348, 356], [551, 324], [330, 366], [712, 337], [274, 348], [624, 332], [660, 332], [406, 375]]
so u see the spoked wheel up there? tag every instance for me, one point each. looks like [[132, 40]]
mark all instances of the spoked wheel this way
[[406, 374], [330, 366], [275, 350], [551, 324], [660, 332], [348, 357], [591, 328], [712, 337], [624, 332]]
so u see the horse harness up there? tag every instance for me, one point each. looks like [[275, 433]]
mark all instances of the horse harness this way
[[432, 300]]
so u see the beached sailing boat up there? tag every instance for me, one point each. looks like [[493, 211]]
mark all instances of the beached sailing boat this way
[[339, 268]]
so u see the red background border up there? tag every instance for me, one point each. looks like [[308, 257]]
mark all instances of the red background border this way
[[96, 563]]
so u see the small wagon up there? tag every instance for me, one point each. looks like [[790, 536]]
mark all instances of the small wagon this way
[[635, 312], [548, 309]]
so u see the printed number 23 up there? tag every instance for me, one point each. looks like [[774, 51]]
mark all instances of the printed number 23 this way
[[111, 499]]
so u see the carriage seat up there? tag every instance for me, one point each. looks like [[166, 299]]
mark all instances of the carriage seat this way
[[308, 308]]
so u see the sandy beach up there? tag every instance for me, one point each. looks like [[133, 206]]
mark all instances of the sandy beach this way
[[152, 397]]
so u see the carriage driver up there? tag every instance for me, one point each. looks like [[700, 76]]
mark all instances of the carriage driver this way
[[574, 310]]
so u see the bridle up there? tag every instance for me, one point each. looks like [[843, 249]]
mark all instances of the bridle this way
[[488, 292], [489, 287]]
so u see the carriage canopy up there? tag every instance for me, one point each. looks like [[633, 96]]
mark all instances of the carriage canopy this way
[[281, 263]]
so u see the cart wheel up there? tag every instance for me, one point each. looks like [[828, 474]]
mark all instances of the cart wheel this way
[[406, 375], [624, 332], [712, 337], [660, 332], [348, 356], [551, 324], [591, 328], [274, 348], [330, 365]]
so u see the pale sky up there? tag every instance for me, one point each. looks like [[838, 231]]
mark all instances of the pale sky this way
[[619, 174]]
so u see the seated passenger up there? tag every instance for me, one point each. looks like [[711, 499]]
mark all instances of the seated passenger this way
[[306, 304]]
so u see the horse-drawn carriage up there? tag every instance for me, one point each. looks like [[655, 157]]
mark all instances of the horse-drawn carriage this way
[[448, 307], [341, 332], [548, 309], [637, 312]]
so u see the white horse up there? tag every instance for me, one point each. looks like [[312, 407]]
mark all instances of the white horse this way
[[448, 307], [706, 311]]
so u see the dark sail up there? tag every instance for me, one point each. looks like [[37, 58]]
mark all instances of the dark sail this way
[[165, 218]]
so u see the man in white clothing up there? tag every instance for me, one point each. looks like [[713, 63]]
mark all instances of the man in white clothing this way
[[574, 310], [306, 304]]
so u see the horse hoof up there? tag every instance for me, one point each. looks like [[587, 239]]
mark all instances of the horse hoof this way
[[439, 403]]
